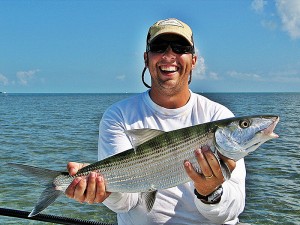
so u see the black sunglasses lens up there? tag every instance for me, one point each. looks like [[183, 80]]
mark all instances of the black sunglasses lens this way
[[159, 48], [177, 48], [181, 49]]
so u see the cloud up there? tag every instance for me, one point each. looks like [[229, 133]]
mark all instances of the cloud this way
[[3, 80], [121, 77], [213, 76], [287, 76], [25, 76], [287, 79], [258, 5], [245, 76], [289, 12], [270, 25], [199, 72]]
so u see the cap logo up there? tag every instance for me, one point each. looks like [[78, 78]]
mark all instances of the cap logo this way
[[170, 22]]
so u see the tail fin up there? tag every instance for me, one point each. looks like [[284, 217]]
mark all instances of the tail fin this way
[[50, 194]]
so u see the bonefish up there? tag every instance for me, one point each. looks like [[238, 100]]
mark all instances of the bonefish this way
[[156, 160]]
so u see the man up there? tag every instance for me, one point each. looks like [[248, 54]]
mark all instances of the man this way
[[169, 104]]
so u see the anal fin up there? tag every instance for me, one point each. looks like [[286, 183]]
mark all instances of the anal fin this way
[[148, 199]]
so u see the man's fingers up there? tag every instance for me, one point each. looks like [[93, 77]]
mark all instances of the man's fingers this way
[[213, 164], [72, 168], [231, 164], [101, 193], [203, 163], [79, 193], [194, 175], [70, 191], [91, 188]]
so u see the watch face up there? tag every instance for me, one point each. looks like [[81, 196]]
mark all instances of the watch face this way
[[213, 198]]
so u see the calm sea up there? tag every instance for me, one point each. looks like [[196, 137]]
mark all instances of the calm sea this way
[[49, 130]]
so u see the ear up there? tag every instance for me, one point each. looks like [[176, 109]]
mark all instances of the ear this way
[[194, 61], [146, 59]]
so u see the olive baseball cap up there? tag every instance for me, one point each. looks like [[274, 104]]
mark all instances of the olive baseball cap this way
[[170, 26]]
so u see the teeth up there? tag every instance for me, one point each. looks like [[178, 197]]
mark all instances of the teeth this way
[[168, 68]]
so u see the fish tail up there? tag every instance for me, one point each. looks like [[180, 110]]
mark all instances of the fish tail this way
[[32, 171], [50, 194]]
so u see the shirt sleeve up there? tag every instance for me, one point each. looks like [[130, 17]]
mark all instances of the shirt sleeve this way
[[112, 137], [121, 202]]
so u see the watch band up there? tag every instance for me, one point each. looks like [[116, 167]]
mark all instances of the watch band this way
[[212, 198]]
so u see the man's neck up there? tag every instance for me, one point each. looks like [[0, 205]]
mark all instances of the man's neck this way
[[170, 101]]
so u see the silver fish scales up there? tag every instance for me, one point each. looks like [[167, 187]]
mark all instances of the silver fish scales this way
[[155, 164]]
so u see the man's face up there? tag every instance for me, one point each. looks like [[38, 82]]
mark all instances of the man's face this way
[[169, 70]]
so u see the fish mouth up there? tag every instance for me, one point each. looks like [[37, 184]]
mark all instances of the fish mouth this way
[[269, 131]]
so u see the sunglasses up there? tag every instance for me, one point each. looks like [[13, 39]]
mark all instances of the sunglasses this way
[[176, 47]]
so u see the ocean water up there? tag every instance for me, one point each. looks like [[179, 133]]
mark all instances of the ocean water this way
[[49, 130]]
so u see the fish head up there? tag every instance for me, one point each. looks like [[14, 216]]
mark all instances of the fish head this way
[[237, 137]]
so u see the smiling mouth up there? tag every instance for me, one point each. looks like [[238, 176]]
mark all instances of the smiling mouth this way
[[168, 69]]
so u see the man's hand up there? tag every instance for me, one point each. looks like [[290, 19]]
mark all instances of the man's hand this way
[[211, 177], [90, 189]]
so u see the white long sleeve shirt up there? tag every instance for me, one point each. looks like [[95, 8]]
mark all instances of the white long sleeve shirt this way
[[177, 205]]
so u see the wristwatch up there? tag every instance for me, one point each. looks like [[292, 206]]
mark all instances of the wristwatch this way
[[212, 198]]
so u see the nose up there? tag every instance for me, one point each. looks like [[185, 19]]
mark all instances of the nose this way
[[169, 54]]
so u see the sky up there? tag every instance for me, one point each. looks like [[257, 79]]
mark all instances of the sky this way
[[97, 46]]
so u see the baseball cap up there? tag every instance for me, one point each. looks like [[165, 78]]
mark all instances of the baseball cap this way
[[170, 26]]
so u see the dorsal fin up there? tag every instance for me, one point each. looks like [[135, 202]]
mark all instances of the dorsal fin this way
[[140, 136]]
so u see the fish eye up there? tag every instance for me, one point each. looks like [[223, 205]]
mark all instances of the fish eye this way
[[244, 123]]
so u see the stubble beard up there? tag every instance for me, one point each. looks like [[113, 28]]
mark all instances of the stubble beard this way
[[170, 87]]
